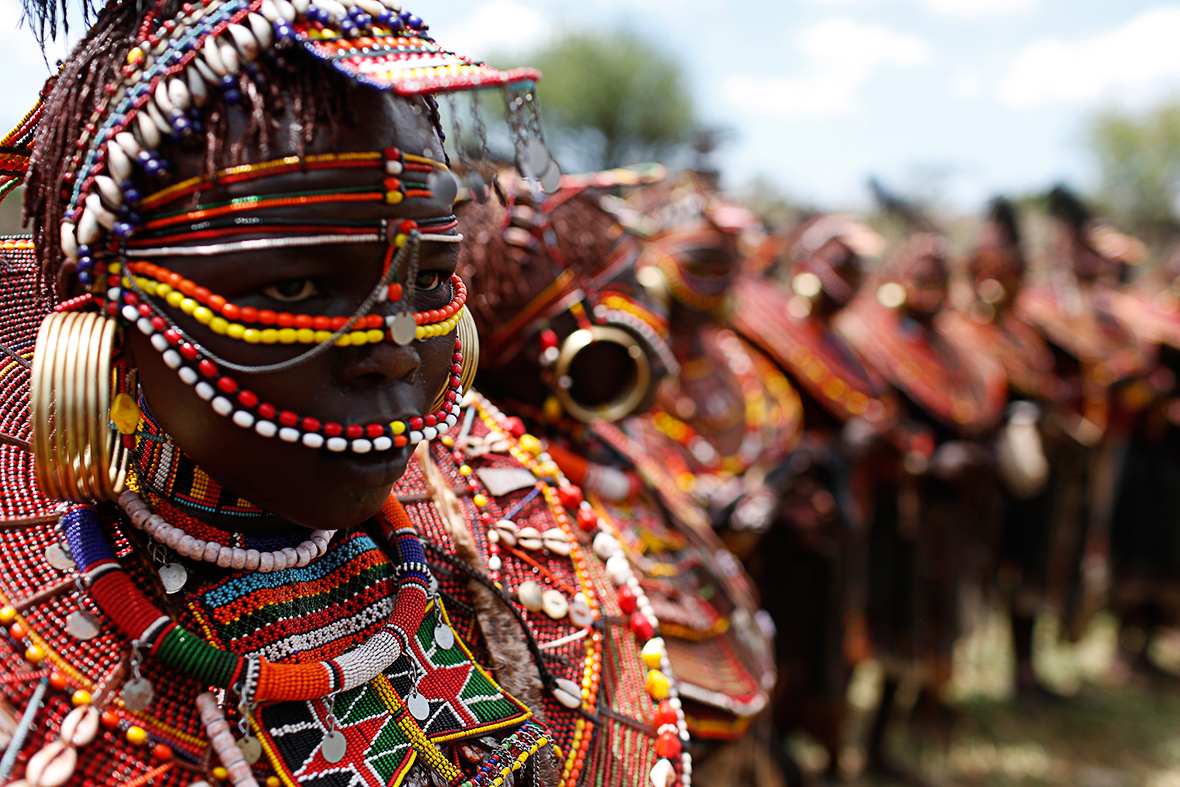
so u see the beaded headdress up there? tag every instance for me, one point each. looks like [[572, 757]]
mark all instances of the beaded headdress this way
[[589, 301], [115, 213]]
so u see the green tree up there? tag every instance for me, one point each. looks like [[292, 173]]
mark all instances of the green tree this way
[[610, 99], [1138, 156]]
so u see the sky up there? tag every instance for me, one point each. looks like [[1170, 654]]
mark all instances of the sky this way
[[958, 99]]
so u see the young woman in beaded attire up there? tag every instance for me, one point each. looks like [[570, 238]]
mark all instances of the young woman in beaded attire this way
[[1102, 364], [243, 237], [930, 510], [810, 566], [1038, 504], [573, 318]]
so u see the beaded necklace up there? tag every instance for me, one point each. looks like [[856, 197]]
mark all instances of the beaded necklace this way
[[964, 392], [769, 407], [819, 360], [168, 473], [139, 619], [659, 685]]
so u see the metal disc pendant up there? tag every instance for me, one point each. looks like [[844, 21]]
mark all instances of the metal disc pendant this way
[[137, 694], [82, 625], [402, 328], [443, 636], [57, 557], [419, 706], [252, 749], [333, 746], [173, 576], [444, 187], [551, 178], [477, 187], [532, 159]]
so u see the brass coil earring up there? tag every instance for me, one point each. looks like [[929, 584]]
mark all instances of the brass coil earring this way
[[469, 337], [79, 455]]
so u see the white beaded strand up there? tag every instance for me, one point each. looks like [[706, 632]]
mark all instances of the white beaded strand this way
[[174, 538]]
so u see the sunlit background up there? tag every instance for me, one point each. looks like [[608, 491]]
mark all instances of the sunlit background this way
[[953, 100]]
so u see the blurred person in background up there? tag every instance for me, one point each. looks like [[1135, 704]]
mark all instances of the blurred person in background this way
[[810, 565], [929, 509], [1102, 366], [575, 349]]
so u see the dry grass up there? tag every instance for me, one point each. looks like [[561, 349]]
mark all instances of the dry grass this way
[[1109, 730]]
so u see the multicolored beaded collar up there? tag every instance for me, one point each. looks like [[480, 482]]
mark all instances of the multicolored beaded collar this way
[[113, 591]]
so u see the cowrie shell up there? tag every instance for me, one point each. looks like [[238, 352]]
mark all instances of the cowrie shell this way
[[506, 529], [663, 774], [69, 241], [529, 538], [556, 541], [148, 131], [554, 604], [530, 596], [179, 95], [261, 30], [80, 726], [212, 54], [567, 693], [244, 40], [109, 191], [129, 143], [53, 765]]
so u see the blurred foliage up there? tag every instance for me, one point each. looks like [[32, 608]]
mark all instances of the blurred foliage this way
[[610, 98], [1138, 156], [10, 213]]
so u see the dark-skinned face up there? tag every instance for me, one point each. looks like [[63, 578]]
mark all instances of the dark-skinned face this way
[[925, 285], [374, 383]]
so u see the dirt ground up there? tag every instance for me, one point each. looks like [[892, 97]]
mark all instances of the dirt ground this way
[[1110, 729]]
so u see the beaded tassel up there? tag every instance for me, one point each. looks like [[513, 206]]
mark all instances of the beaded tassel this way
[[22, 729], [222, 740]]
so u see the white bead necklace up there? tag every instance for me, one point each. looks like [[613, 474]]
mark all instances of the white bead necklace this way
[[183, 544]]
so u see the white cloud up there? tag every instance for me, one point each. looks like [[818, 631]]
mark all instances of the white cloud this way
[[974, 9], [966, 85], [841, 57], [839, 2], [499, 27], [1135, 62]]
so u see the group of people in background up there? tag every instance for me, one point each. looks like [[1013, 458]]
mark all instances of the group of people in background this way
[[257, 527], [874, 451]]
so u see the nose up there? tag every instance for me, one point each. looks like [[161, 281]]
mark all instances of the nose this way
[[378, 363]]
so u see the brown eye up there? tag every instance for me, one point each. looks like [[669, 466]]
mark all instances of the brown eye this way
[[427, 281], [292, 290]]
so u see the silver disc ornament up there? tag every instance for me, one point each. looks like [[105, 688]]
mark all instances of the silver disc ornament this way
[[551, 178], [333, 746], [252, 750], [403, 328], [419, 706], [137, 694], [173, 576], [82, 625], [443, 636], [532, 159], [58, 557]]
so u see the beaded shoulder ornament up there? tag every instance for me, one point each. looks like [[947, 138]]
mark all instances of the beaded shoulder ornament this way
[[816, 356]]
